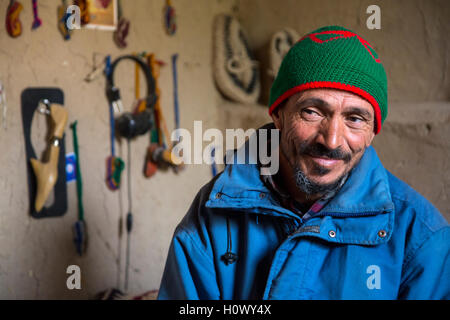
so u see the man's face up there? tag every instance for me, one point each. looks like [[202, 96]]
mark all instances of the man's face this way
[[324, 133]]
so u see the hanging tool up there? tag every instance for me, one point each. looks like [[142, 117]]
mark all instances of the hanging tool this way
[[63, 17], [129, 222], [162, 156], [85, 17], [175, 92], [97, 68], [114, 165], [47, 173], [13, 24], [151, 166], [175, 104], [158, 153], [37, 22], [31, 102], [122, 28], [79, 228], [170, 19], [3, 104], [130, 125]]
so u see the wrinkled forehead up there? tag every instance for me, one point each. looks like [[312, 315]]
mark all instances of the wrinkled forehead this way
[[330, 99]]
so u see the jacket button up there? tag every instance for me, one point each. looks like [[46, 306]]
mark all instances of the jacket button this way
[[262, 195], [218, 195], [332, 233], [382, 233]]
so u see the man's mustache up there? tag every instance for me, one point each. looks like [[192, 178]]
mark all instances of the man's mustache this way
[[318, 150]]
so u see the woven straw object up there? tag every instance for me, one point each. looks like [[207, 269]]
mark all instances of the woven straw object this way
[[280, 44], [235, 71]]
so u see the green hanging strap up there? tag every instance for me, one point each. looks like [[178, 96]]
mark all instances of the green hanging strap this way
[[79, 229]]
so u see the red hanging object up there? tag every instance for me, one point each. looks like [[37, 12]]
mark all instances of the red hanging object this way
[[170, 18], [37, 22], [104, 3], [122, 32], [84, 10], [122, 28], [13, 24]]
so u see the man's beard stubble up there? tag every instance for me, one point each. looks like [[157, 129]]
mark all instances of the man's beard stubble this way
[[309, 187]]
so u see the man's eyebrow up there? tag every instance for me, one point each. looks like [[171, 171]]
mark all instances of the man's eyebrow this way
[[322, 103], [312, 101]]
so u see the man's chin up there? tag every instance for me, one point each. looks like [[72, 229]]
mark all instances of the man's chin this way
[[325, 179], [323, 175], [318, 184]]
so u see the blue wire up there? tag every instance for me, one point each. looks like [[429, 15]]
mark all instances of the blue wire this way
[[112, 124], [213, 162], [111, 111]]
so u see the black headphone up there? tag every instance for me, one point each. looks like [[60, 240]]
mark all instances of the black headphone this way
[[130, 125]]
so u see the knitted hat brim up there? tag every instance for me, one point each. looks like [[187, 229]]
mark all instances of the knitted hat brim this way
[[332, 85]]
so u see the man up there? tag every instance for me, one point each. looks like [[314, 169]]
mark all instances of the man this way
[[333, 223]]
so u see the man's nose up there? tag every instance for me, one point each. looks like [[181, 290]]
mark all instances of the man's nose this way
[[332, 133]]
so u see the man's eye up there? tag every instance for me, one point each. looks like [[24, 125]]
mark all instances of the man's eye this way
[[310, 114], [356, 122], [355, 119]]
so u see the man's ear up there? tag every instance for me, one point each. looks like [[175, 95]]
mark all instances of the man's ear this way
[[276, 117]]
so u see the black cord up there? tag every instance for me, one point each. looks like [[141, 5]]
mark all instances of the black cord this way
[[229, 257], [129, 215]]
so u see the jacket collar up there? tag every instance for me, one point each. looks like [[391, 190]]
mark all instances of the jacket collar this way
[[366, 190]]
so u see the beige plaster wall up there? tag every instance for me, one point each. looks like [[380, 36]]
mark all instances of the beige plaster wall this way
[[34, 254]]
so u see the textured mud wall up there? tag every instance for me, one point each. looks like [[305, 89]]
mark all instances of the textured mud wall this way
[[34, 254]]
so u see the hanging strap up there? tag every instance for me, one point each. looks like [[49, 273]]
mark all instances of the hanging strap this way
[[78, 172], [175, 93], [37, 22], [114, 165], [111, 110], [79, 228], [170, 18]]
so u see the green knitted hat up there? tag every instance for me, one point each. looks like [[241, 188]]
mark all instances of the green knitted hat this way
[[333, 57]]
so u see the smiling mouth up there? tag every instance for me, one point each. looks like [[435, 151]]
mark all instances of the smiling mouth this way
[[325, 162]]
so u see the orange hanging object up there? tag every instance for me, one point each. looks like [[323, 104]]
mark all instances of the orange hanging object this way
[[150, 166], [140, 103], [63, 18], [84, 10], [155, 65], [13, 24]]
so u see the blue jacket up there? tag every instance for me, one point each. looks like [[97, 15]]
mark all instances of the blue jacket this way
[[376, 239]]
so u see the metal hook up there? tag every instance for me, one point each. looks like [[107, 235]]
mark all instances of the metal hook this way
[[44, 106]]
